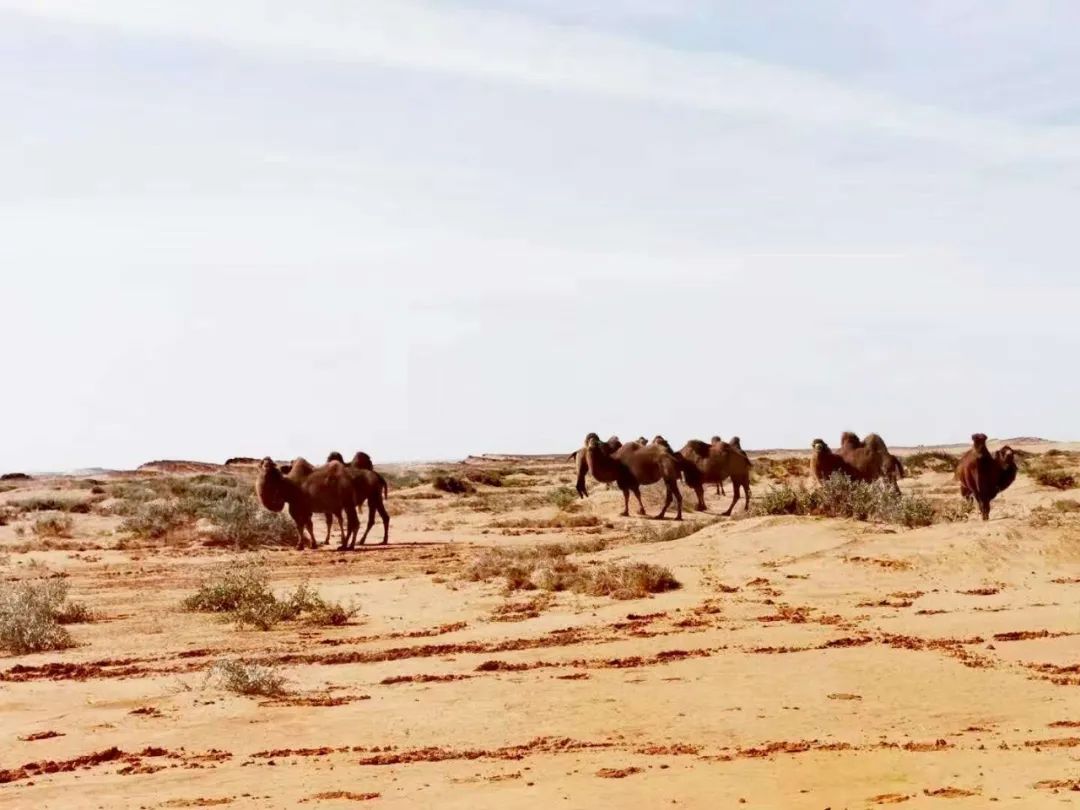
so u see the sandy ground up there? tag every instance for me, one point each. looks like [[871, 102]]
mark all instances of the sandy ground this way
[[804, 663]]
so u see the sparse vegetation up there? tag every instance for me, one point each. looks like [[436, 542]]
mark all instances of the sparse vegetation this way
[[648, 533], [53, 524], [930, 461], [50, 503], [249, 679], [489, 478], [563, 497], [244, 525], [1049, 470], [153, 519], [549, 568], [243, 592], [844, 498], [1060, 513], [452, 484], [32, 614]]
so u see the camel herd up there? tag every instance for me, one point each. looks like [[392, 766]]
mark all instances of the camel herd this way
[[334, 489], [338, 488], [630, 466]]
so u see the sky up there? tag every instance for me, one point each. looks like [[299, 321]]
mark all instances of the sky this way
[[429, 229]]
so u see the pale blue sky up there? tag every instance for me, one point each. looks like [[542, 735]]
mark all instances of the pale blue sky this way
[[429, 229]]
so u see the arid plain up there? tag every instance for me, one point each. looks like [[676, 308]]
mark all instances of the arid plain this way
[[483, 658]]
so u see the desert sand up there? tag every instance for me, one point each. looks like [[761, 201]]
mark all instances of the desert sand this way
[[804, 662]]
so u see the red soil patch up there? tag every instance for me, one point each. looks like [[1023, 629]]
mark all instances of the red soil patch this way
[[1058, 742], [133, 762], [540, 745], [950, 793], [146, 711], [422, 679], [41, 735], [675, 749], [981, 592], [617, 773], [885, 603], [1058, 784], [889, 798], [197, 802], [340, 795], [315, 700], [893, 565], [843, 696], [785, 747], [1065, 724], [1025, 635]]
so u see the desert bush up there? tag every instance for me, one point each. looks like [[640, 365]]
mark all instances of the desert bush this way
[[53, 524], [153, 519], [1054, 477], [842, 497], [563, 497], [50, 503], [226, 588], [244, 678], [1066, 506], [780, 469], [489, 478], [1062, 512], [30, 616], [244, 593], [675, 531], [930, 461], [548, 568], [452, 484], [402, 480], [244, 525], [953, 510]]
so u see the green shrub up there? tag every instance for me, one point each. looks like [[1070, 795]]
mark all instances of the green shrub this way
[[50, 503], [243, 678], [841, 497], [30, 616], [1054, 477], [244, 525], [489, 478]]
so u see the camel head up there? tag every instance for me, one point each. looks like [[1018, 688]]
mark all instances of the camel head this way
[[1006, 456], [735, 442], [715, 440], [592, 441], [270, 485], [361, 461], [641, 440], [335, 456], [590, 436], [819, 446], [978, 440]]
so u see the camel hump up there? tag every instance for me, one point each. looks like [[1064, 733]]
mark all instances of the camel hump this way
[[735, 442], [875, 442], [698, 447], [850, 440], [335, 456]]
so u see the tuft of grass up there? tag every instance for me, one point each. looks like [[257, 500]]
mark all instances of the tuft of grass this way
[[243, 592], [563, 497], [930, 461], [30, 616], [548, 568], [50, 503], [1054, 477], [53, 524], [489, 478], [841, 497], [453, 484], [153, 519], [676, 531], [243, 678], [243, 525]]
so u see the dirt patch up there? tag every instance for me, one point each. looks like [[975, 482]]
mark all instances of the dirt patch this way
[[617, 773], [41, 735], [950, 793], [340, 795]]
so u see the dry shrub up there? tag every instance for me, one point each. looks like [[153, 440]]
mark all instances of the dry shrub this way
[[548, 568], [842, 497], [780, 469], [1049, 469], [243, 592], [564, 498], [244, 678], [676, 531], [31, 613], [930, 461], [50, 503], [54, 524], [559, 521], [489, 478], [452, 484]]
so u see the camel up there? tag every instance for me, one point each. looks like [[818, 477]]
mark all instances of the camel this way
[[632, 466], [328, 490], [709, 463], [870, 458], [719, 484], [984, 475], [825, 463], [371, 488], [582, 466], [360, 461]]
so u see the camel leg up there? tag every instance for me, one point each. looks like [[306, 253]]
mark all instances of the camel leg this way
[[746, 496], [678, 499], [385, 520], [640, 504], [300, 539], [353, 524], [626, 501], [735, 492], [370, 523], [667, 502], [699, 490], [984, 509], [311, 533]]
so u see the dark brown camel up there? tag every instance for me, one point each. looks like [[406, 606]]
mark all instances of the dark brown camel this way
[[984, 475], [327, 490], [719, 484], [634, 465], [371, 488], [710, 463], [825, 463], [582, 466], [871, 458]]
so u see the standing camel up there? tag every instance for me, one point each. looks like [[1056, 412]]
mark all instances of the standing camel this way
[[707, 463], [635, 465], [327, 490]]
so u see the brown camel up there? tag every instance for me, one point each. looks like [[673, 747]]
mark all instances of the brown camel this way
[[984, 475], [327, 490], [825, 463], [360, 461], [582, 466], [369, 487], [632, 466], [871, 458], [710, 463], [719, 484]]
